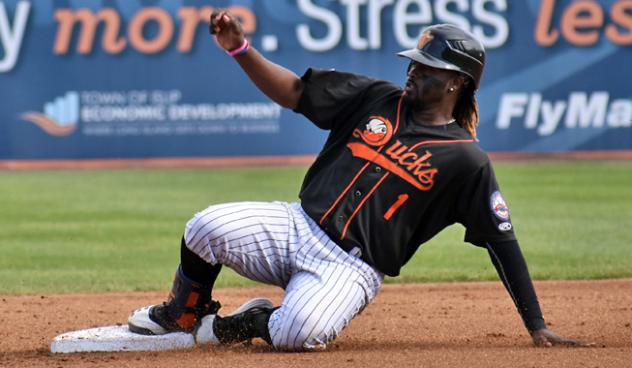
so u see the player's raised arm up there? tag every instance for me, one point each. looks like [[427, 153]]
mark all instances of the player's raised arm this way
[[280, 84]]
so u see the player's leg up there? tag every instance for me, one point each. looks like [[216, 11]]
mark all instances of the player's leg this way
[[330, 288], [249, 237], [316, 308], [252, 238], [257, 241], [189, 299]]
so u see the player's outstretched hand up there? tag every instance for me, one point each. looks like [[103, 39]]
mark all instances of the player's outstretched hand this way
[[547, 338], [227, 30]]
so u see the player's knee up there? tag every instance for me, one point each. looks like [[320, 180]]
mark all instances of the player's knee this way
[[198, 235], [303, 341], [306, 333]]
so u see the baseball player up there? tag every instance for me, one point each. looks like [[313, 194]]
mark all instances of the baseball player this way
[[399, 166]]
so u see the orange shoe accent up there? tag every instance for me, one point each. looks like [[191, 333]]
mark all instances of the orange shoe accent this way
[[187, 320], [192, 299]]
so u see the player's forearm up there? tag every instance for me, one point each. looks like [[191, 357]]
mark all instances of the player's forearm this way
[[512, 269], [278, 83]]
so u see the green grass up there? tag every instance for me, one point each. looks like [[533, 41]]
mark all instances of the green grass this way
[[572, 220], [92, 231]]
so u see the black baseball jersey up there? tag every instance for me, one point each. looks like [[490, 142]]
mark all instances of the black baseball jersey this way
[[384, 183]]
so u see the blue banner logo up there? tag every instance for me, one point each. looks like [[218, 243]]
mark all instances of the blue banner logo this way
[[60, 116]]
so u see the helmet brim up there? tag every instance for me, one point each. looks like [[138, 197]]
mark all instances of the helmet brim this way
[[423, 57]]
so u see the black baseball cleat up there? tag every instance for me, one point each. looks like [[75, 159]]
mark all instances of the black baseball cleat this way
[[245, 323], [158, 319]]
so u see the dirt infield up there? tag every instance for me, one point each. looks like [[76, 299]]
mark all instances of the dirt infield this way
[[427, 325]]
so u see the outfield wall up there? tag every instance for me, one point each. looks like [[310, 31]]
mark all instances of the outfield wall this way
[[130, 79]]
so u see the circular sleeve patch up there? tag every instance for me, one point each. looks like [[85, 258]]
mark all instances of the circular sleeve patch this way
[[499, 206]]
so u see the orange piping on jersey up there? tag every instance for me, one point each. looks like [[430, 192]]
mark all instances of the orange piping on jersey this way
[[441, 142], [355, 178], [345, 191], [353, 215]]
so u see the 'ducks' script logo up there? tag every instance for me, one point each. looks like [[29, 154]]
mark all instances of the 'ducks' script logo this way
[[399, 159]]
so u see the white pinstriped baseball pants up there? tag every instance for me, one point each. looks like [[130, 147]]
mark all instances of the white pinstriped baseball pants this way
[[277, 243]]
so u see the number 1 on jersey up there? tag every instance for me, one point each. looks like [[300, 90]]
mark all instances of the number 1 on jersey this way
[[401, 199]]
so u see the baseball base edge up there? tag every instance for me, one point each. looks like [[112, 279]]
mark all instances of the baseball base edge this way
[[118, 338]]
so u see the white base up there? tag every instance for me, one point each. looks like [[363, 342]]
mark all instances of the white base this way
[[118, 338]]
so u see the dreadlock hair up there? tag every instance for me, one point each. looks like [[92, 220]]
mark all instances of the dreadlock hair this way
[[466, 109]]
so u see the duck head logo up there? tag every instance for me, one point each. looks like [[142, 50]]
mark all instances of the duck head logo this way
[[377, 131]]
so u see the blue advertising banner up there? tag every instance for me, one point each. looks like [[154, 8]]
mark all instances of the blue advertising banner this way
[[100, 79]]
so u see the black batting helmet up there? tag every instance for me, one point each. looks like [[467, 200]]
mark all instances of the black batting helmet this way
[[445, 46]]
